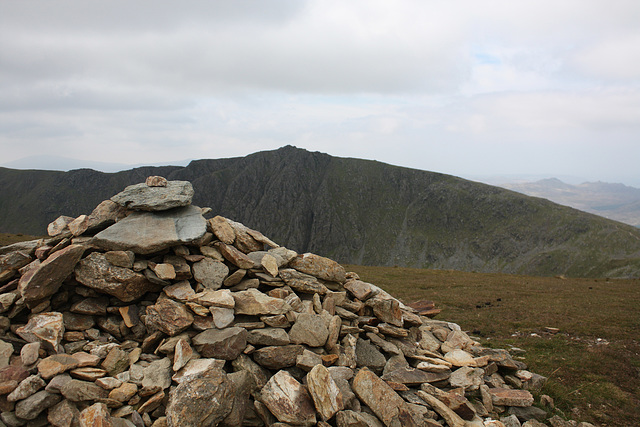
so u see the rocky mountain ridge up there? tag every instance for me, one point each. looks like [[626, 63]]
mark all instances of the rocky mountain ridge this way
[[144, 313], [359, 212]]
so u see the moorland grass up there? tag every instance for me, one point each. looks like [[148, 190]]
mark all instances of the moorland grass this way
[[593, 363]]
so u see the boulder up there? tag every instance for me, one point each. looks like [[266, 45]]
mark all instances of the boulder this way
[[143, 197], [148, 232], [224, 344], [168, 316], [45, 280], [327, 398], [288, 400], [203, 400], [388, 406], [320, 267], [97, 273]]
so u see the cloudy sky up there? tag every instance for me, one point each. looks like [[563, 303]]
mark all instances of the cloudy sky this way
[[471, 88]]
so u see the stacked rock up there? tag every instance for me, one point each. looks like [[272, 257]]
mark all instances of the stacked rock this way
[[144, 313]]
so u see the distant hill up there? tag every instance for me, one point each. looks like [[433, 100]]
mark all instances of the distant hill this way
[[613, 201], [356, 211]]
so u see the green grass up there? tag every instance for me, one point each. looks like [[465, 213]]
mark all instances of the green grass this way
[[593, 363]]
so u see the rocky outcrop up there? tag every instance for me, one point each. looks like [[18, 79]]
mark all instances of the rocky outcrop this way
[[220, 326]]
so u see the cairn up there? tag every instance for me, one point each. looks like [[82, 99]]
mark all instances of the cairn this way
[[144, 313]]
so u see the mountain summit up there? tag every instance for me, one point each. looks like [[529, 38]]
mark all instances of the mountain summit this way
[[357, 211]]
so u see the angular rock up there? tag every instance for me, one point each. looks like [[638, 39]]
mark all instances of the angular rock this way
[[79, 225], [83, 391], [13, 261], [32, 406], [105, 214], [198, 367], [97, 273], [326, 396], [387, 310], [95, 415], [369, 356], [234, 256], [282, 255], [242, 386], [452, 419], [278, 357], [268, 336], [181, 291], [467, 377], [156, 181], [209, 298], [45, 280], [259, 374], [63, 414], [388, 406], [124, 259], [302, 282], [528, 413], [182, 354], [413, 377], [309, 329], [320, 267], [224, 344], [87, 373], [26, 388], [157, 375], [222, 229], [46, 328], [359, 289], [200, 401], [157, 198], [152, 403], [117, 361], [307, 360], [165, 271], [148, 232], [29, 353], [510, 397], [270, 265], [6, 350], [124, 392], [245, 240], [222, 317], [91, 306], [253, 302], [350, 418], [288, 400], [168, 316], [59, 225], [210, 273]]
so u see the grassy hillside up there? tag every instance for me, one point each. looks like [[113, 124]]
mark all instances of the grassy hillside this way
[[357, 211], [593, 363]]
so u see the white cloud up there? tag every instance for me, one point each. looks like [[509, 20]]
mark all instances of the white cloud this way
[[437, 85]]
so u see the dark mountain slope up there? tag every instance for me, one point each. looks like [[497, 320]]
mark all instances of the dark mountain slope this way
[[357, 211]]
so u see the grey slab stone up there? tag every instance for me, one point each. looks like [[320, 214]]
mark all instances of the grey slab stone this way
[[148, 232], [145, 198]]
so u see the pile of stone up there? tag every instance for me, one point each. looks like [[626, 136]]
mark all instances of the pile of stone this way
[[144, 313]]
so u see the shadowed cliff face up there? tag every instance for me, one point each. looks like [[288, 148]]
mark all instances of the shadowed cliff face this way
[[356, 211]]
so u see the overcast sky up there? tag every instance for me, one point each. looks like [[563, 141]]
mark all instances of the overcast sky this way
[[469, 88]]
